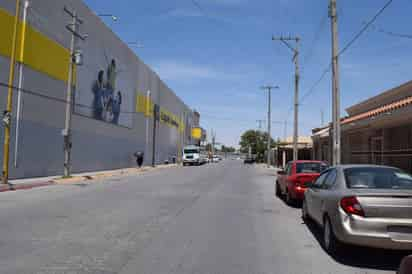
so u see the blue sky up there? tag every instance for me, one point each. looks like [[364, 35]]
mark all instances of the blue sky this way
[[216, 55]]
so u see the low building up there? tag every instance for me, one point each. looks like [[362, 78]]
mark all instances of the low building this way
[[376, 131], [283, 153]]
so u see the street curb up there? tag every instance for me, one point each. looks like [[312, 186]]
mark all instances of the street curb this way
[[82, 178], [11, 187]]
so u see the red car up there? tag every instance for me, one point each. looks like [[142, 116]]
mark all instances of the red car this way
[[294, 180]]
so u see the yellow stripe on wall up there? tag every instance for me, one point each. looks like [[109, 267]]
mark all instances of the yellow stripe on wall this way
[[40, 52]]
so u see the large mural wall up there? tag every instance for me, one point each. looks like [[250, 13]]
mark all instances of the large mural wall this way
[[113, 114]]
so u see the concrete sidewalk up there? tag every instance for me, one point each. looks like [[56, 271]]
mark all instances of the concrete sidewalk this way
[[28, 183]]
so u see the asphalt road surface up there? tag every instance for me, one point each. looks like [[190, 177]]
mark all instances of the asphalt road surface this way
[[219, 218]]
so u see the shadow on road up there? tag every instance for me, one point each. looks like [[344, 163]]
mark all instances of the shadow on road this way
[[362, 257], [296, 204]]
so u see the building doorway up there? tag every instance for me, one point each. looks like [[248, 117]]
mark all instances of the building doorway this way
[[377, 150]]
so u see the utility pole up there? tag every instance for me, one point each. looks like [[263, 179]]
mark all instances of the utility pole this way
[[147, 115], [20, 84], [156, 117], [7, 113], [75, 59], [269, 89], [322, 120], [295, 59], [260, 122], [335, 85], [213, 143]]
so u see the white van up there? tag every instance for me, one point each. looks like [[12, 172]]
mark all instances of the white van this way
[[192, 155]]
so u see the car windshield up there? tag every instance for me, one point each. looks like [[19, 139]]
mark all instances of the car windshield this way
[[191, 151], [310, 167], [377, 178]]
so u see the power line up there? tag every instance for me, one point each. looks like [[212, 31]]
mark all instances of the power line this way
[[55, 99], [198, 5], [315, 40], [313, 87], [345, 48], [364, 28], [391, 33]]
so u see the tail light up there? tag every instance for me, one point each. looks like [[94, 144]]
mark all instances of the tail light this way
[[351, 205]]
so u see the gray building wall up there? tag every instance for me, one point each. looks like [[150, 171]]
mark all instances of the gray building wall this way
[[97, 145]]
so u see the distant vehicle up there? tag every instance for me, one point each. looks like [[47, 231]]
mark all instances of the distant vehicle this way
[[362, 205], [292, 182], [249, 160], [216, 159], [192, 156]]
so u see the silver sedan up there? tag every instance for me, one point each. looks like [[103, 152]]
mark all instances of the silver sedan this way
[[362, 205]]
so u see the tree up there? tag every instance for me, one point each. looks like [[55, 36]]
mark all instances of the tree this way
[[257, 140], [208, 147], [228, 149]]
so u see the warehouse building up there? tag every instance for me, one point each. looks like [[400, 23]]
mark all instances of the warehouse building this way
[[115, 96]]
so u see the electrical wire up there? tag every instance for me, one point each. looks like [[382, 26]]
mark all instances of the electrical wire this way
[[315, 40], [41, 94], [346, 47], [198, 5], [364, 28], [393, 34], [313, 87]]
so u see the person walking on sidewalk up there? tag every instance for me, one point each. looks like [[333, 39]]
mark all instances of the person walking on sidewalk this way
[[139, 158]]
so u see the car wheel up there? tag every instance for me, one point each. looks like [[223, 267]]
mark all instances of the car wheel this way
[[330, 243], [289, 200], [278, 191], [305, 215]]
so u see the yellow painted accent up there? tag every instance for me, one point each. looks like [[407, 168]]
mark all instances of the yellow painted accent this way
[[169, 119], [197, 133], [149, 106], [140, 103], [40, 52], [144, 105]]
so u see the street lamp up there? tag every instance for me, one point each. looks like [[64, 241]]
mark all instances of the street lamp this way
[[113, 17]]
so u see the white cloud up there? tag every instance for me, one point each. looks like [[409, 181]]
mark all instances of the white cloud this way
[[172, 70]]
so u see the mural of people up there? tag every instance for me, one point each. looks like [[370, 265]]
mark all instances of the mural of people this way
[[106, 105], [111, 75], [98, 91], [116, 107]]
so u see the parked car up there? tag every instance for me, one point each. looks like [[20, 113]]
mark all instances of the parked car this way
[[292, 182], [215, 159], [362, 205], [249, 160]]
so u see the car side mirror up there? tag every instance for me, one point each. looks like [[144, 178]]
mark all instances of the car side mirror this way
[[281, 172]]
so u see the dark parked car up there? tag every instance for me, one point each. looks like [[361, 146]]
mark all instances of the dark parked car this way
[[249, 160]]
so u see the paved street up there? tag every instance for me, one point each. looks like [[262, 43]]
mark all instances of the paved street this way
[[218, 218]]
